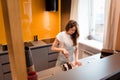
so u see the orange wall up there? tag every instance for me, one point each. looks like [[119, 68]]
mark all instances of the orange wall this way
[[2, 30], [44, 24], [35, 22]]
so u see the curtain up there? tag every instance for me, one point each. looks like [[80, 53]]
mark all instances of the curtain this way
[[112, 25], [74, 10], [79, 12]]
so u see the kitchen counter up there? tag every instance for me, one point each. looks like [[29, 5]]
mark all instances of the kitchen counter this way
[[30, 44], [96, 70], [39, 43], [57, 70]]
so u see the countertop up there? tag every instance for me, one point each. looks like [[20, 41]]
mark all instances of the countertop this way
[[39, 44], [97, 70], [43, 42], [31, 44], [57, 69]]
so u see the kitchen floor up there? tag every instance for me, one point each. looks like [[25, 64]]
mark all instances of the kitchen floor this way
[[56, 70]]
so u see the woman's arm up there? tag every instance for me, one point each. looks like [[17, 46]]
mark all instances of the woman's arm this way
[[76, 53], [59, 49]]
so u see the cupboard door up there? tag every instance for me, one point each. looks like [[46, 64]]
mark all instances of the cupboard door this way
[[52, 56], [5, 73], [1, 72], [8, 76], [51, 64], [4, 58], [6, 68], [40, 58]]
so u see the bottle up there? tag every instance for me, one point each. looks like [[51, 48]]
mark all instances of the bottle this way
[[35, 38]]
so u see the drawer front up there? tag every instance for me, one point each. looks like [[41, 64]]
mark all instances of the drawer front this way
[[52, 56], [8, 76], [40, 58], [51, 64], [1, 73], [41, 67], [6, 68], [49, 49], [4, 58]]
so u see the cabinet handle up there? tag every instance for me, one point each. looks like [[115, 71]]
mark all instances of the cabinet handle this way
[[7, 72], [52, 60], [52, 53], [5, 63]]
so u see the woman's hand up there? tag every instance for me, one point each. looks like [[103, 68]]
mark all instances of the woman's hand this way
[[65, 52], [77, 63]]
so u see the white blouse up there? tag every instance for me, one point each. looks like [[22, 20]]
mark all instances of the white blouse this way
[[66, 42]]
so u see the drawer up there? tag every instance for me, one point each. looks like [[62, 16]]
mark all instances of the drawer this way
[[49, 49], [51, 64], [8, 76], [52, 56], [4, 58], [6, 68]]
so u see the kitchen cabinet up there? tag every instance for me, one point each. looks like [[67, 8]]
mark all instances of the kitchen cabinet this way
[[43, 57], [5, 72], [52, 58], [40, 58]]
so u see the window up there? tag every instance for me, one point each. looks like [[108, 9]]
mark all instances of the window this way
[[98, 16], [91, 19]]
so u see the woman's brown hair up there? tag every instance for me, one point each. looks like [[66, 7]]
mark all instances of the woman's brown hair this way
[[75, 35]]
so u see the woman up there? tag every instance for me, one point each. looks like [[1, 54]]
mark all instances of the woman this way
[[67, 41]]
